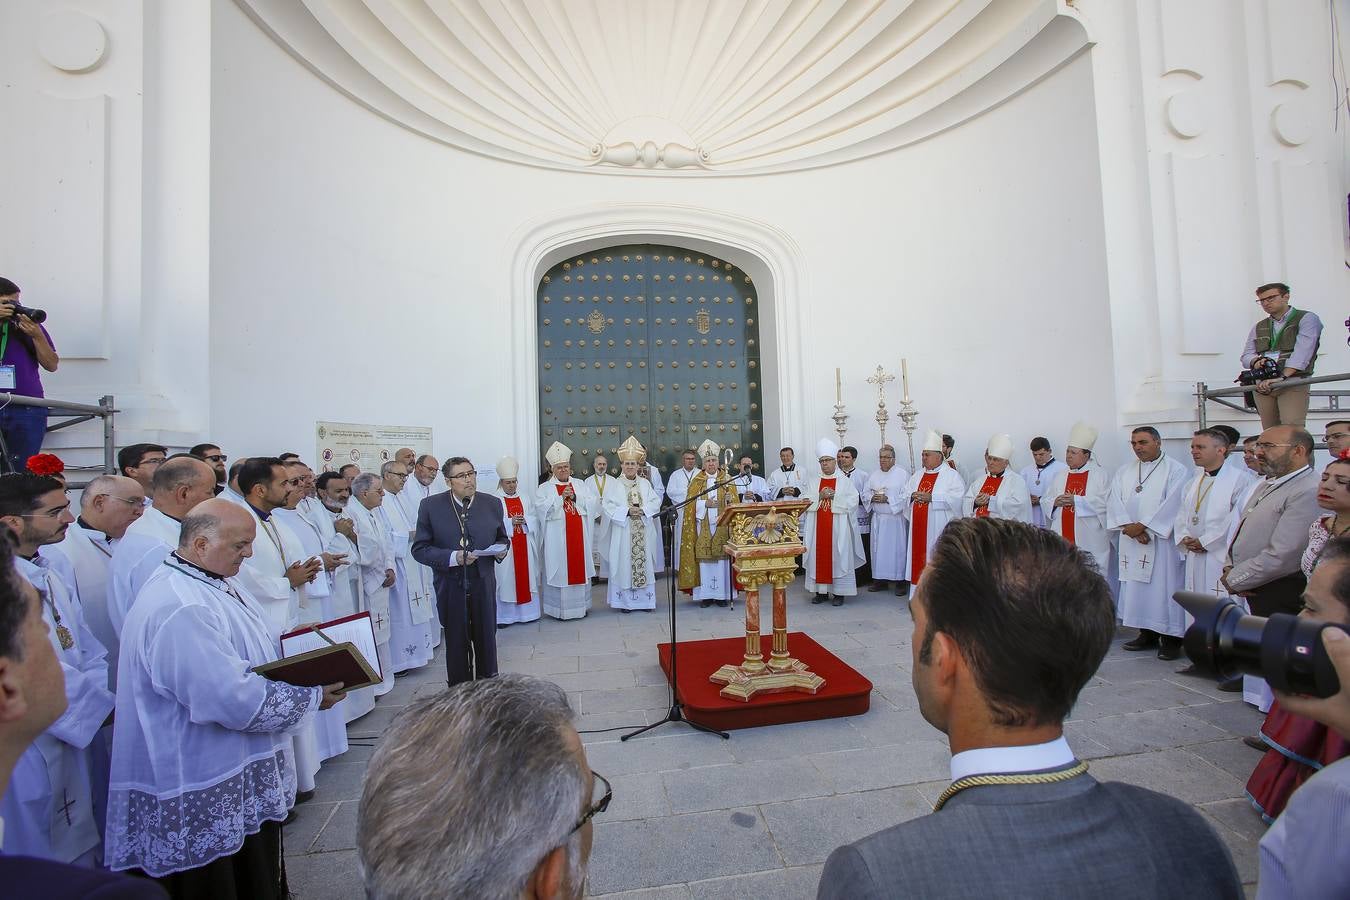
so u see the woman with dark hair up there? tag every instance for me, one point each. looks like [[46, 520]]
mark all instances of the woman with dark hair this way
[[1299, 747]]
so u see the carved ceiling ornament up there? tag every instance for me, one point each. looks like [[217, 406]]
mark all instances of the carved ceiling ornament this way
[[726, 88]]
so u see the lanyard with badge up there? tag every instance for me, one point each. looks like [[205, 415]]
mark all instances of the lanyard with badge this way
[[8, 380]]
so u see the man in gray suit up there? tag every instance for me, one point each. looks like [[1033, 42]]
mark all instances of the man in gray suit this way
[[1010, 621], [1263, 563]]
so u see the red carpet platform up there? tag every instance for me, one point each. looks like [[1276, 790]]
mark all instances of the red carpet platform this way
[[846, 693]]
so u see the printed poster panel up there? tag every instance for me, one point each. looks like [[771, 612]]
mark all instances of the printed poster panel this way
[[369, 446]]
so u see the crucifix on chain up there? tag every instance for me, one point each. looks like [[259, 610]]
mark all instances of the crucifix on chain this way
[[883, 417]]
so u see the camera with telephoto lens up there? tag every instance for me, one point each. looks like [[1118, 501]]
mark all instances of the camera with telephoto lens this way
[[37, 315], [1263, 369], [1285, 650]]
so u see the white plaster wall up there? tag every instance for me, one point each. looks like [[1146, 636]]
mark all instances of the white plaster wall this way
[[386, 259]]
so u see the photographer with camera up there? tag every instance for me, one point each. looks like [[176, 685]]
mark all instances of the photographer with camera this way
[[1282, 345], [1303, 853], [24, 346]]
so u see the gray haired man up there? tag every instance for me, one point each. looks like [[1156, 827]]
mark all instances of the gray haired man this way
[[482, 791]]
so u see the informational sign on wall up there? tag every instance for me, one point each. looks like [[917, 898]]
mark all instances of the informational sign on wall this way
[[369, 446]]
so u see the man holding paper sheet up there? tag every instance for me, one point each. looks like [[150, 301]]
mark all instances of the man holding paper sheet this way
[[460, 536]]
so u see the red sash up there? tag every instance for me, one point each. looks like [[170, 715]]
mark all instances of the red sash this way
[[918, 551], [1075, 484], [576, 540], [990, 487], [825, 537], [520, 551]]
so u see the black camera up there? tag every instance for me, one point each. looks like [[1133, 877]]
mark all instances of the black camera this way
[[1285, 650], [37, 315], [1263, 369]]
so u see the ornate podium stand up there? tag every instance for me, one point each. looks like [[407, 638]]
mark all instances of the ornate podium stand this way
[[764, 546]]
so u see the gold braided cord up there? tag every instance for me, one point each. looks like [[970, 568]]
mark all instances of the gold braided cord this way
[[969, 781]]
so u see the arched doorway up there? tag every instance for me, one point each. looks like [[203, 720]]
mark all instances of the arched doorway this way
[[655, 340]]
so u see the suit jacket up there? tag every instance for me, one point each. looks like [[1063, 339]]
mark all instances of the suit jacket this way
[[1273, 534], [27, 876], [1076, 838], [437, 540]]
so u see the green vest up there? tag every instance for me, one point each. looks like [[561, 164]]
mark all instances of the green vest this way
[[1285, 341]]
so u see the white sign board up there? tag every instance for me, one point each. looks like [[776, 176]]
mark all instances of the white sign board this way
[[369, 446]]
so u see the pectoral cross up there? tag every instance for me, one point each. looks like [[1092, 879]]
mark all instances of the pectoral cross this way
[[65, 810]]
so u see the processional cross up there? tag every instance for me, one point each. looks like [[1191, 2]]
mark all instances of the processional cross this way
[[883, 417]]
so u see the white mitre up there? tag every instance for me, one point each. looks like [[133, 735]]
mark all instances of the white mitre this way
[[507, 468], [1000, 447], [1082, 436], [631, 451], [708, 448], [826, 447], [933, 441], [558, 454]]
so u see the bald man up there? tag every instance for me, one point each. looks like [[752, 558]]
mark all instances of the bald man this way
[[108, 507]]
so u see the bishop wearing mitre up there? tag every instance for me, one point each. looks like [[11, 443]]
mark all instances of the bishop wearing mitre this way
[[705, 570], [933, 497], [834, 548], [630, 505], [1074, 503], [518, 571], [566, 509], [998, 494]]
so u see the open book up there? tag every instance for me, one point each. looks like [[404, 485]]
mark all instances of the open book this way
[[341, 650]]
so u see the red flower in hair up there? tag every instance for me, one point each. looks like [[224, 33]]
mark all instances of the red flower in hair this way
[[46, 464]]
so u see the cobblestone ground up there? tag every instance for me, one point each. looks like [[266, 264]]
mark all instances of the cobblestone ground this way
[[697, 817]]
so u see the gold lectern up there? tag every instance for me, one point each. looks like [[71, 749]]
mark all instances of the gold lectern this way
[[764, 546]]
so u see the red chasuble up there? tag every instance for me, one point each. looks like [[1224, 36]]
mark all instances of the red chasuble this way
[[520, 550], [990, 487], [1075, 484], [576, 539], [825, 537], [918, 555]]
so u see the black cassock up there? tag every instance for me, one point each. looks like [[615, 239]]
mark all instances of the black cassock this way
[[465, 595]]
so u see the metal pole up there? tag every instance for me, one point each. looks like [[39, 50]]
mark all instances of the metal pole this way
[[1200, 405], [109, 450]]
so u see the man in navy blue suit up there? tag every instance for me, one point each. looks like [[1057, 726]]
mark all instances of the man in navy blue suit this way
[[32, 697], [450, 527]]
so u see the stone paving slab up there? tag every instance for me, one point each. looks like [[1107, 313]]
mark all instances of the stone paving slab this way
[[695, 817]]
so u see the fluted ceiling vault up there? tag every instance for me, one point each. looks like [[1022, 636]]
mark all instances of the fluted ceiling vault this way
[[688, 86]]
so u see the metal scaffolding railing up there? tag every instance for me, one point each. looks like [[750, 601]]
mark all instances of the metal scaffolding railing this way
[[73, 414], [1334, 403]]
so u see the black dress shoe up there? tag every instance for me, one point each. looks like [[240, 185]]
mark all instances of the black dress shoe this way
[[819, 598], [902, 589], [837, 601], [1169, 652], [1189, 669], [1255, 743], [705, 604], [1231, 685], [878, 586], [500, 627], [722, 603], [625, 611], [303, 797], [1145, 641]]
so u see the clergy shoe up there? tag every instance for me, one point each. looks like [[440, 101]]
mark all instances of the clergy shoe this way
[[722, 603], [1170, 649], [878, 586], [303, 796], [625, 611], [1231, 685], [705, 604], [1145, 641], [837, 601], [1255, 743], [500, 626], [1189, 669], [902, 589], [819, 598]]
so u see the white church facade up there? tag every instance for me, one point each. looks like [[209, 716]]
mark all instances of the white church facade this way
[[245, 216]]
